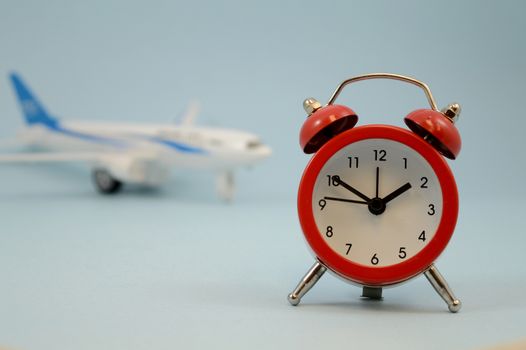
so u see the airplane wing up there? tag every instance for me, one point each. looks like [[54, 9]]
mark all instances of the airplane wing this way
[[11, 143], [132, 167], [51, 157]]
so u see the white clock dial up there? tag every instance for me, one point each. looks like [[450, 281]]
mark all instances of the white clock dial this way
[[370, 228]]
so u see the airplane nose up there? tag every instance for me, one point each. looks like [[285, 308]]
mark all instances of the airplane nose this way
[[264, 151]]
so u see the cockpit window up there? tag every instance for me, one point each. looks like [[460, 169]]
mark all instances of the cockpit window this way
[[253, 144]]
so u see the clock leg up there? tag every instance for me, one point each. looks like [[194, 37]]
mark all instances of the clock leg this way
[[307, 282], [374, 293], [439, 283]]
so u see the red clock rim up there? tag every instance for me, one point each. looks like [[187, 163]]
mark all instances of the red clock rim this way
[[384, 275]]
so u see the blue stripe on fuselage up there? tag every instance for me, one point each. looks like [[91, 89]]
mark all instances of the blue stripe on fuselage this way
[[86, 137], [181, 147]]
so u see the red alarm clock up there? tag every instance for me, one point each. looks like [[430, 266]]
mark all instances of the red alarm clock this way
[[378, 203]]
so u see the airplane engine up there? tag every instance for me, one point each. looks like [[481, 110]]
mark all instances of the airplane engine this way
[[109, 174]]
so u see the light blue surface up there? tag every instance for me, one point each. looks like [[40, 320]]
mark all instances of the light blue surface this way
[[178, 269]]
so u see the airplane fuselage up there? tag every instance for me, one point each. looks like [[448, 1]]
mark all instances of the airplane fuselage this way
[[144, 153]]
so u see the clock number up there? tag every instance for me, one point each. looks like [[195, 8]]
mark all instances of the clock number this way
[[379, 155], [374, 260], [322, 203], [431, 210], [349, 245], [422, 236], [405, 162], [353, 160], [424, 182], [329, 232], [333, 180], [401, 253]]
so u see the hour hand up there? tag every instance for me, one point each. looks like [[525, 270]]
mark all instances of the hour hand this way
[[396, 193], [348, 187]]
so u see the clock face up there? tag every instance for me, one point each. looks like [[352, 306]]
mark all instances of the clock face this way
[[377, 202]]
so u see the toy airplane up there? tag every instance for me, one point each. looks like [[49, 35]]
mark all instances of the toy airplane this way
[[132, 153]]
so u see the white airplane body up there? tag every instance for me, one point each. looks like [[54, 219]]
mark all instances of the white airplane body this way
[[131, 152]]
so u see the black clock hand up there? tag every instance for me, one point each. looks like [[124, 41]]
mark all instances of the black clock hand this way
[[344, 200], [396, 193], [350, 188], [377, 179]]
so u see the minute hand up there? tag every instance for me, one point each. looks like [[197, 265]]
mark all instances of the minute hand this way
[[396, 193], [350, 188], [344, 200]]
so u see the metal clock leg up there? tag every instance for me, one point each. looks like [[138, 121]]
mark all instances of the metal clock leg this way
[[374, 293], [439, 283], [307, 282]]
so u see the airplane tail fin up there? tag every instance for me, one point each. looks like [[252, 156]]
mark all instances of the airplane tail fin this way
[[34, 112], [190, 114]]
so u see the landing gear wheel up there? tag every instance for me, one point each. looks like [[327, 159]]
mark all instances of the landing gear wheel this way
[[105, 183]]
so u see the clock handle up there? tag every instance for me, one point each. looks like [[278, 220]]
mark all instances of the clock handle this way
[[433, 125], [439, 283], [398, 77], [424, 122]]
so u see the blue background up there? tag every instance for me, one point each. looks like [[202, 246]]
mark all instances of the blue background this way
[[177, 268]]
